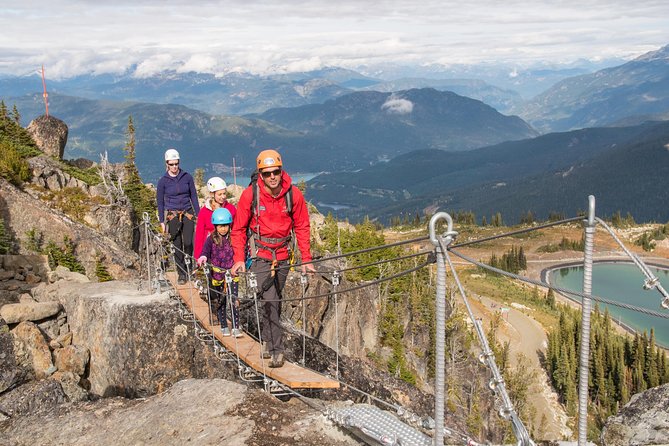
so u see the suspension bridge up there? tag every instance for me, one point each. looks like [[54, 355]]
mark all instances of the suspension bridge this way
[[379, 421]]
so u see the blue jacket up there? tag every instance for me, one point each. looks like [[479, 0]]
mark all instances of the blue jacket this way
[[177, 194]]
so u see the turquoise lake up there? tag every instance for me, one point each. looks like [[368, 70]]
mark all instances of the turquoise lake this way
[[621, 282]]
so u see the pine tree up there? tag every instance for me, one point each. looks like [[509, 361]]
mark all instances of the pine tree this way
[[101, 271], [16, 116], [141, 198], [550, 298]]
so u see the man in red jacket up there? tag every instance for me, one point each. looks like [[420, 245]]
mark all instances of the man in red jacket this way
[[267, 226]]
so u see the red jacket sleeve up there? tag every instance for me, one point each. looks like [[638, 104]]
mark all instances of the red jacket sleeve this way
[[240, 225], [201, 232], [302, 225]]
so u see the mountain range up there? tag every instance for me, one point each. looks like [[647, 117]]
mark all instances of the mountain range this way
[[379, 136], [626, 168], [634, 92], [354, 131]]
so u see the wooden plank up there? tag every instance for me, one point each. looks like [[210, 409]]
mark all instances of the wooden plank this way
[[247, 348]]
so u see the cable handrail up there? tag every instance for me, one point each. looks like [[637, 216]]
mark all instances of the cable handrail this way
[[497, 383]]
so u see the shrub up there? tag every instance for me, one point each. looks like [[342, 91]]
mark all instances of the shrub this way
[[64, 256]]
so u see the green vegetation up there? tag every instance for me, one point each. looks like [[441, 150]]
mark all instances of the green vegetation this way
[[15, 146], [101, 271], [5, 242], [141, 197], [63, 256], [512, 261], [564, 245], [72, 201], [618, 221], [35, 240], [648, 238], [620, 366], [407, 300], [89, 176]]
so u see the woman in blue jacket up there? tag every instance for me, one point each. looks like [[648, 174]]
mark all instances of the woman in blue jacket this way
[[177, 208]]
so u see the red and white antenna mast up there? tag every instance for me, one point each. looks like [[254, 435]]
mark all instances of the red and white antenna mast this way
[[45, 94]]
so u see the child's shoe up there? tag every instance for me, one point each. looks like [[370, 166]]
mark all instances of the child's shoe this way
[[236, 332], [225, 331]]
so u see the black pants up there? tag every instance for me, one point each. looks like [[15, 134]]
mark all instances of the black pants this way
[[219, 300], [181, 230], [270, 302]]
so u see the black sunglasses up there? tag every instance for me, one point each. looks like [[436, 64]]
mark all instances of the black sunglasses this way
[[173, 164], [267, 174]]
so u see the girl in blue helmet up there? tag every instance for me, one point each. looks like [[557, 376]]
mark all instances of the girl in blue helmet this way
[[217, 250]]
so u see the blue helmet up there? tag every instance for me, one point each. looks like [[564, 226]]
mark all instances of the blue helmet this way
[[221, 216]]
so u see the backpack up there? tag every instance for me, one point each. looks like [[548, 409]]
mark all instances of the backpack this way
[[251, 250]]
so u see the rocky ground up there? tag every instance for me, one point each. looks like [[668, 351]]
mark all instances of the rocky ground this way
[[202, 412]]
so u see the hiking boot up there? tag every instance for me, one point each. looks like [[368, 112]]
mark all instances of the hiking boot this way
[[225, 331], [236, 332], [264, 351], [277, 360]]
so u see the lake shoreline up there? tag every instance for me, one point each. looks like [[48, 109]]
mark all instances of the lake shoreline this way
[[623, 327]]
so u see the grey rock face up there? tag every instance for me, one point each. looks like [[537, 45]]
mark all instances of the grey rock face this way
[[27, 213], [138, 346], [199, 412], [643, 421], [36, 396], [50, 134], [11, 374]]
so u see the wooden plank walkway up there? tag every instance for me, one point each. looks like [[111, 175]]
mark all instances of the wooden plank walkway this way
[[248, 349]]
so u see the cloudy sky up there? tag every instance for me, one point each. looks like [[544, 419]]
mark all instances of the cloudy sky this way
[[71, 37]]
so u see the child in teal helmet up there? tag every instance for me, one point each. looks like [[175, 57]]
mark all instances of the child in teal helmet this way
[[217, 250]]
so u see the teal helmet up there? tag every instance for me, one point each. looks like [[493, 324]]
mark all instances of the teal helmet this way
[[221, 216]]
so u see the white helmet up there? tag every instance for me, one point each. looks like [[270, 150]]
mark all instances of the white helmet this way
[[171, 154], [216, 183]]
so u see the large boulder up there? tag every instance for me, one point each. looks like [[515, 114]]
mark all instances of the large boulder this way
[[138, 345], [28, 311], [50, 135], [643, 420], [32, 351]]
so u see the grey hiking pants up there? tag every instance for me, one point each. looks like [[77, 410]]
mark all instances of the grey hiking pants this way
[[271, 331]]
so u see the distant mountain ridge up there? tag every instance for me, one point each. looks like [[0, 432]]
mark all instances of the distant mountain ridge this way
[[511, 177], [394, 123], [234, 93], [635, 91], [361, 130]]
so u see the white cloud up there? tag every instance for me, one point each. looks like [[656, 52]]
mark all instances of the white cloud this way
[[398, 106], [155, 64], [217, 35]]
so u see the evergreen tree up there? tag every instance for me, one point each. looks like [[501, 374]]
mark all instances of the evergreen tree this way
[[141, 198], [16, 116], [550, 298], [101, 271]]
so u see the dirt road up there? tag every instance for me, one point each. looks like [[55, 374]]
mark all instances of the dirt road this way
[[526, 336]]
